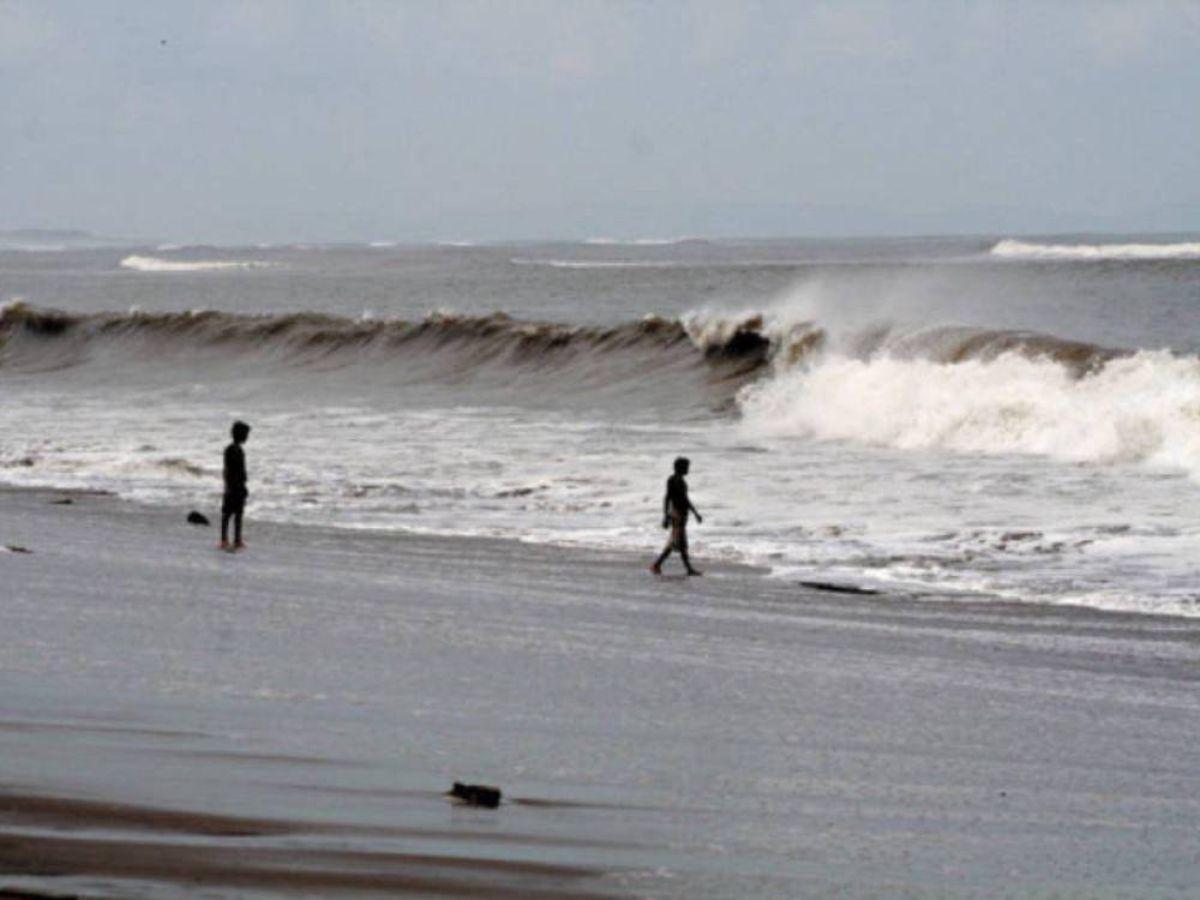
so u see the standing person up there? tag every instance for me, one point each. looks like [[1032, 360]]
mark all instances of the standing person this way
[[676, 507], [234, 502]]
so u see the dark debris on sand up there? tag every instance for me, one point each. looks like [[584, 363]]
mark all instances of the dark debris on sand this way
[[476, 794]]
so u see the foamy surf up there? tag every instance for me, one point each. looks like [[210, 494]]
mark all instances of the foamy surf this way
[[1144, 408], [156, 264], [924, 427], [1014, 249]]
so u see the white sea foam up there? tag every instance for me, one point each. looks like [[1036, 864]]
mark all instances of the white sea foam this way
[[1142, 408], [1014, 249], [154, 264]]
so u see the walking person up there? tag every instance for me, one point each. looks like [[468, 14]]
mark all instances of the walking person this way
[[676, 508]]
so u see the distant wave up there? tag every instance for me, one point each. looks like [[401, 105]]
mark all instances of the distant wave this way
[[6, 246], [639, 242], [391, 245], [154, 264], [596, 263], [1014, 249]]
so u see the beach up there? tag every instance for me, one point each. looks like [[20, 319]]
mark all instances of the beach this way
[[889, 312], [285, 721]]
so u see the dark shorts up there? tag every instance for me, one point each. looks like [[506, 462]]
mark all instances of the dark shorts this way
[[232, 504], [678, 539]]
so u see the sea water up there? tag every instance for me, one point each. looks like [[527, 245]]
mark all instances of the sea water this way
[[1006, 417]]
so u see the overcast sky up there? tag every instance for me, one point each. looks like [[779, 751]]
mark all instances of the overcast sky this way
[[367, 119]]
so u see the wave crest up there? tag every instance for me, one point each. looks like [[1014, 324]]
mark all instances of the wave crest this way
[[1139, 407], [951, 387], [742, 343], [155, 264], [442, 346], [1014, 249]]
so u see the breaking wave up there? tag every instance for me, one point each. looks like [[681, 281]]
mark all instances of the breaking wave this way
[[738, 344], [154, 264], [544, 362], [946, 388], [1140, 407], [1014, 249]]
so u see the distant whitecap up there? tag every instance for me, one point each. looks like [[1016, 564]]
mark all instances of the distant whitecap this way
[[1014, 249], [154, 264]]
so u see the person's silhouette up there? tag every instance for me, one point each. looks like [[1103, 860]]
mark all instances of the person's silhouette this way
[[676, 507], [234, 503]]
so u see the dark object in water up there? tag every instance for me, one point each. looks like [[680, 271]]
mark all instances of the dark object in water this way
[[838, 588], [62, 501], [13, 548], [197, 518], [476, 794]]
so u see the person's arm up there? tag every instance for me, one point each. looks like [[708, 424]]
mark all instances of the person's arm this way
[[699, 518], [667, 506]]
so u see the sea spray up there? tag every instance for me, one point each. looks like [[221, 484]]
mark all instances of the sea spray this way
[[959, 390], [1140, 408]]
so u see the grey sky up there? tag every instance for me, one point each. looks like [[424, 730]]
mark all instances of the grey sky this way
[[351, 119]]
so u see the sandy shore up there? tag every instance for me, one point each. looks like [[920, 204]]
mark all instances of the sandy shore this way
[[283, 722]]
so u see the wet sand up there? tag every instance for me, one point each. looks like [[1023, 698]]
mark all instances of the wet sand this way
[[284, 722], [158, 845]]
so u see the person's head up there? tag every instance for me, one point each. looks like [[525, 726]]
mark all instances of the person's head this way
[[240, 432], [682, 464]]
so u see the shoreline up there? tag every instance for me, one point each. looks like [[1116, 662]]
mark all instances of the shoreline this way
[[288, 719], [170, 516]]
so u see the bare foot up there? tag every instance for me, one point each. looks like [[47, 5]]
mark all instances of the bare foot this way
[[656, 569], [695, 572], [224, 545], [240, 545]]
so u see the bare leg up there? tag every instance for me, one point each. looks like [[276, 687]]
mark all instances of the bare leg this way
[[237, 529], [225, 529], [662, 557], [691, 570]]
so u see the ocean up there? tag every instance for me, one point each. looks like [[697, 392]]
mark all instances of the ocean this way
[[1004, 418]]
